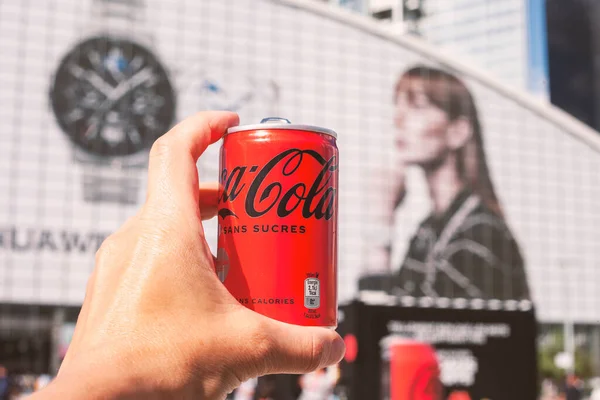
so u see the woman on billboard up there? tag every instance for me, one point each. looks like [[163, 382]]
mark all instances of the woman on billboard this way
[[464, 248]]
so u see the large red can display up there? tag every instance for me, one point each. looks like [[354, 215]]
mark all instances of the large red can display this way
[[277, 213], [410, 370]]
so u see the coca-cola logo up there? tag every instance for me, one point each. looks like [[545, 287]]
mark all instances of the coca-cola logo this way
[[262, 190]]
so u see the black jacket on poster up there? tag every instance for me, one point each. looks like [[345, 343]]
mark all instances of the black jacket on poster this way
[[468, 252]]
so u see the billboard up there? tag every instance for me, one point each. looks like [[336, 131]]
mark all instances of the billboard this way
[[416, 352], [452, 187]]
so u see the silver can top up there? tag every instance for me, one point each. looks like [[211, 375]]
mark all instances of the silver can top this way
[[281, 123]]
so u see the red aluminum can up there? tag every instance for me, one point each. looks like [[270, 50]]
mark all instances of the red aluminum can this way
[[277, 213], [410, 370]]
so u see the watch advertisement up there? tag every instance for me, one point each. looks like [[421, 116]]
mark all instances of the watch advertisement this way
[[453, 187]]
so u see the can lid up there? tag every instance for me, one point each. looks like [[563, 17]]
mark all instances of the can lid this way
[[281, 123]]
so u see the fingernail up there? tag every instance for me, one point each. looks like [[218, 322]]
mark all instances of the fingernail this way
[[338, 349]]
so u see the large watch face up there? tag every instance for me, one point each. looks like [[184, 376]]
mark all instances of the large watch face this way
[[112, 97]]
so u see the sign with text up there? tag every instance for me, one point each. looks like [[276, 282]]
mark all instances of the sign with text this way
[[479, 353]]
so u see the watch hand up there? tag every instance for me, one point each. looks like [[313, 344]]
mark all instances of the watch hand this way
[[97, 82], [92, 78], [118, 92], [125, 86]]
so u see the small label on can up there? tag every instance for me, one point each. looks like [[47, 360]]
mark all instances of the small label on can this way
[[312, 293]]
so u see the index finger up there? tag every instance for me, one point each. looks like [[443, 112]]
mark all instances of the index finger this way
[[172, 172]]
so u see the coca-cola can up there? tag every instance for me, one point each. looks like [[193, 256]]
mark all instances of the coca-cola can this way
[[410, 370], [277, 219]]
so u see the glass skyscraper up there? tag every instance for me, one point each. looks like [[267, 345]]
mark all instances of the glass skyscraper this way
[[506, 38]]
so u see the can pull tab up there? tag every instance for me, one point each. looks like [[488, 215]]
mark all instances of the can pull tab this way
[[275, 120]]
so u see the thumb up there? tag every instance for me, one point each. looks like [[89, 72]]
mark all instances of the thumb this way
[[299, 349]]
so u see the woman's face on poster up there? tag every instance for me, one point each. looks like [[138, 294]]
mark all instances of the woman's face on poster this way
[[421, 127]]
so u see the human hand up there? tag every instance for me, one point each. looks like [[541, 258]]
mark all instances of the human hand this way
[[156, 321]]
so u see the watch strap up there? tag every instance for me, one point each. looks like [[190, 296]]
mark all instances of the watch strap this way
[[105, 186], [130, 11]]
